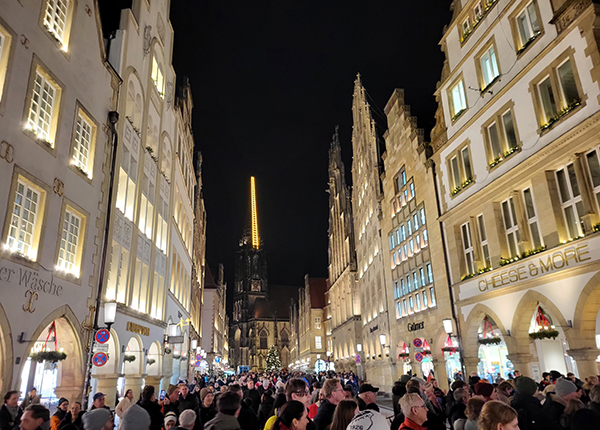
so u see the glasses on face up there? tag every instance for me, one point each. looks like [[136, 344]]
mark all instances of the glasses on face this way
[[420, 406]]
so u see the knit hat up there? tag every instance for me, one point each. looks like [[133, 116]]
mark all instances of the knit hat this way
[[555, 375], [135, 418], [405, 378], [484, 389], [368, 420], [420, 380], [96, 419], [170, 416], [525, 386], [170, 389], [203, 393], [61, 401], [564, 387]]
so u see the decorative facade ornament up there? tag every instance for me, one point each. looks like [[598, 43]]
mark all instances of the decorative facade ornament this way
[[169, 94], [147, 39]]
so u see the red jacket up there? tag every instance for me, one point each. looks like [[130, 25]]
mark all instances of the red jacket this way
[[411, 425], [312, 411]]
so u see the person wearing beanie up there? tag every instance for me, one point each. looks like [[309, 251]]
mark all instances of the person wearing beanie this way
[[529, 408], [171, 401], [556, 402], [485, 390], [170, 420], [60, 414], [135, 418], [98, 419]]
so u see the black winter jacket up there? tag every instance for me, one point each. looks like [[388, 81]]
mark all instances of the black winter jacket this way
[[531, 414]]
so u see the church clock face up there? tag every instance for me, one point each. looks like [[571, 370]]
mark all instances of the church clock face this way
[[256, 286]]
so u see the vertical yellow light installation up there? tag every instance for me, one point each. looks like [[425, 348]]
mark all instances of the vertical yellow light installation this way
[[255, 240]]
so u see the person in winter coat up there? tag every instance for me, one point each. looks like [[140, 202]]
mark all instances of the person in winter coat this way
[[228, 407], [149, 404], [594, 404], [188, 400], [414, 411], [10, 413], [134, 418], [333, 393], [253, 394], [529, 409], [556, 402], [293, 416], [73, 417], [398, 391], [461, 397], [207, 407], [265, 409], [125, 403], [496, 415], [31, 399], [246, 416], [474, 406], [60, 414]]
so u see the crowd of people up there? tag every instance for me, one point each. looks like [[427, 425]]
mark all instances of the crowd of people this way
[[325, 401]]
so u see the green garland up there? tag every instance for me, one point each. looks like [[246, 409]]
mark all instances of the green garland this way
[[150, 361], [51, 356], [490, 341], [544, 334], [404, 355], [129, 358]]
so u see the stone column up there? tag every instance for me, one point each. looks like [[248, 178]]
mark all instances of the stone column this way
[[522, 363], [107, 384], [470, 365], [441, 374], [586, 361], [155, 381], [74, 394], [134, 382]]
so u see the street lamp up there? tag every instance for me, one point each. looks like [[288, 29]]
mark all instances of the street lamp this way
[[110, 313], [447, 326], [382, 340], [359, 347], [194, 344], [172, 329]]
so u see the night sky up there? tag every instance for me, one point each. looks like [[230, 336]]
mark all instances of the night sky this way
[[270, 82]]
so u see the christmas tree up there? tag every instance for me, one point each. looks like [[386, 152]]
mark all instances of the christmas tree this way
[[273, 362]]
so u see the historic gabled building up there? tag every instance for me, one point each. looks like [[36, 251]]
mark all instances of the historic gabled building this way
[[215, 336], [56, 140], [343, 325], [418, 293], [367, 212], [260, 311], [517, 159], [311, 325]]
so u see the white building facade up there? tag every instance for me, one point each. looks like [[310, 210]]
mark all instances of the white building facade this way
[[56, 92]]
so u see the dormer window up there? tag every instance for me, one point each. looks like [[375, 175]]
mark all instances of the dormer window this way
[[477, 11]]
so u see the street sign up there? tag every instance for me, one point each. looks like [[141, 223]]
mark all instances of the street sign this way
[[417, 342], [100, 347], [102, 336], [100, 359], [419, 357], [357, 358], [217, 359], [198, 363], [198, 357]]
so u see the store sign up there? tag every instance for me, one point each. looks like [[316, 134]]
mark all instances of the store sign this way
[[533, 267], [137, 328], [31, 280], [416, 326], [372, 329]]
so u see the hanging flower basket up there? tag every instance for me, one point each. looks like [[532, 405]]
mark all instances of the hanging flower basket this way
[[150, 361], [168, 350], [403, 355], [129, 358], [490, 341], [176, 357], [49, 356], [544, 334]]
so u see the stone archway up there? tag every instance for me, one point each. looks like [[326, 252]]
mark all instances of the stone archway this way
[[132, 370], [584, 349], [71, 371], [6, 355]]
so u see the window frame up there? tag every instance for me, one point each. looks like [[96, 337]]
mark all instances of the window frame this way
[[533, 220], [468, 250], [563, 109], [38, 68], [506, 150], [571, 202], [6, 55], [518, 43], [481, 75], [455, 115], [61, 42], [69, 206], [512, 230], [486, 258], [32, 257], [88, 174], [462, 175]]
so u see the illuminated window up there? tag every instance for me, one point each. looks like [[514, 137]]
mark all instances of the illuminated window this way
[[593, 163], [158, 296], [532, 219], [422, 276], [422, 211], [5, 41], [458, 101], [26, 219], [157, 76], [557, 92], [161, 224], [127, 183], [528, 25], [425, 238], [501, 136], [468, 248], [318, 344], [429, 274], [511, 227], [424, 299], [402, 290], [139, 297], [41, 117], [432, 294], [484, 242], [55, 18], [570, 199], [416, 221], [461, 173], [118, 275], [318, 323], [69, 254], [488, 65], [83, 144], [147, 206]]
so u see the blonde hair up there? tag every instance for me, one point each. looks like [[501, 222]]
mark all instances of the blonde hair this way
[[329, 387], [495, 412]]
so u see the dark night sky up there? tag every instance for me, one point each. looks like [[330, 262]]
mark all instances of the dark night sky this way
[[270, 82]]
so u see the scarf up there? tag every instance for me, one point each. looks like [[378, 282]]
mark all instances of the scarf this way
[[13, 411]]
